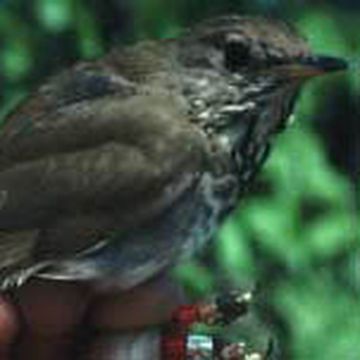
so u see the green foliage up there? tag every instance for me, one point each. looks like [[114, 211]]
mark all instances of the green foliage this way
[[195, 277], [298, 238], [88, 34], [54, 15], [324, 319]]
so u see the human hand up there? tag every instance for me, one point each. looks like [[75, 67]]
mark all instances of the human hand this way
[[61, 321]]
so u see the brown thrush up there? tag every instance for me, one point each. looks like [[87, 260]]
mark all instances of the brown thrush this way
[[115, 169]]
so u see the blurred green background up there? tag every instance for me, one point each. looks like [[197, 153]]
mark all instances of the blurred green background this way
[[296, 236]]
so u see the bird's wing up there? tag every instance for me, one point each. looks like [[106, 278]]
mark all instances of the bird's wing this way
[[91, 159], [83, 82]]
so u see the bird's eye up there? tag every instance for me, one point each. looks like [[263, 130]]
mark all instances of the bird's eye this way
[[237, 54]]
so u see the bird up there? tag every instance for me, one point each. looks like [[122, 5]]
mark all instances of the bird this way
[[118, 168]]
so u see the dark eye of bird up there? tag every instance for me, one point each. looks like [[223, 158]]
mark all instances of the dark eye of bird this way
[[237, 55]]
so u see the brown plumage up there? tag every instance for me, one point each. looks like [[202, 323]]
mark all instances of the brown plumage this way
[[114, 169]]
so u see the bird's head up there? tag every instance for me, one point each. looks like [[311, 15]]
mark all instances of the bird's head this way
[[246, 70]]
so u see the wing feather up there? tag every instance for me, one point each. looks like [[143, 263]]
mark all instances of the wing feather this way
[[110, 163]]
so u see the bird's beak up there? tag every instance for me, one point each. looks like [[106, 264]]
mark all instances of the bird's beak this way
[[311, 66]]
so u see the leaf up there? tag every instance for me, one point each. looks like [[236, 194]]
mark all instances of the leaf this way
[[55, 15], [233, 252], [16, 59], [195, 277], [324, 320], [332, 234], [89, 39]]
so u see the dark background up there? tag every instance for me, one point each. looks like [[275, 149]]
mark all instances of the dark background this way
[[297, 234]]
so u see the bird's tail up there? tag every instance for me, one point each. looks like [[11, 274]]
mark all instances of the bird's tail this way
[[16, 250]]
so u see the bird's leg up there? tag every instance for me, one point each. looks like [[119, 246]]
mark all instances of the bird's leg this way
[[180, 342], [131, 345], [127, 323]]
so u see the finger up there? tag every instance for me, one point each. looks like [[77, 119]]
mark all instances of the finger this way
[[51, 313], [9, 327], [146, 305]]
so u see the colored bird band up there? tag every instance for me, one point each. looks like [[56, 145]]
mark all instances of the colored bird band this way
[[179, 343]]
